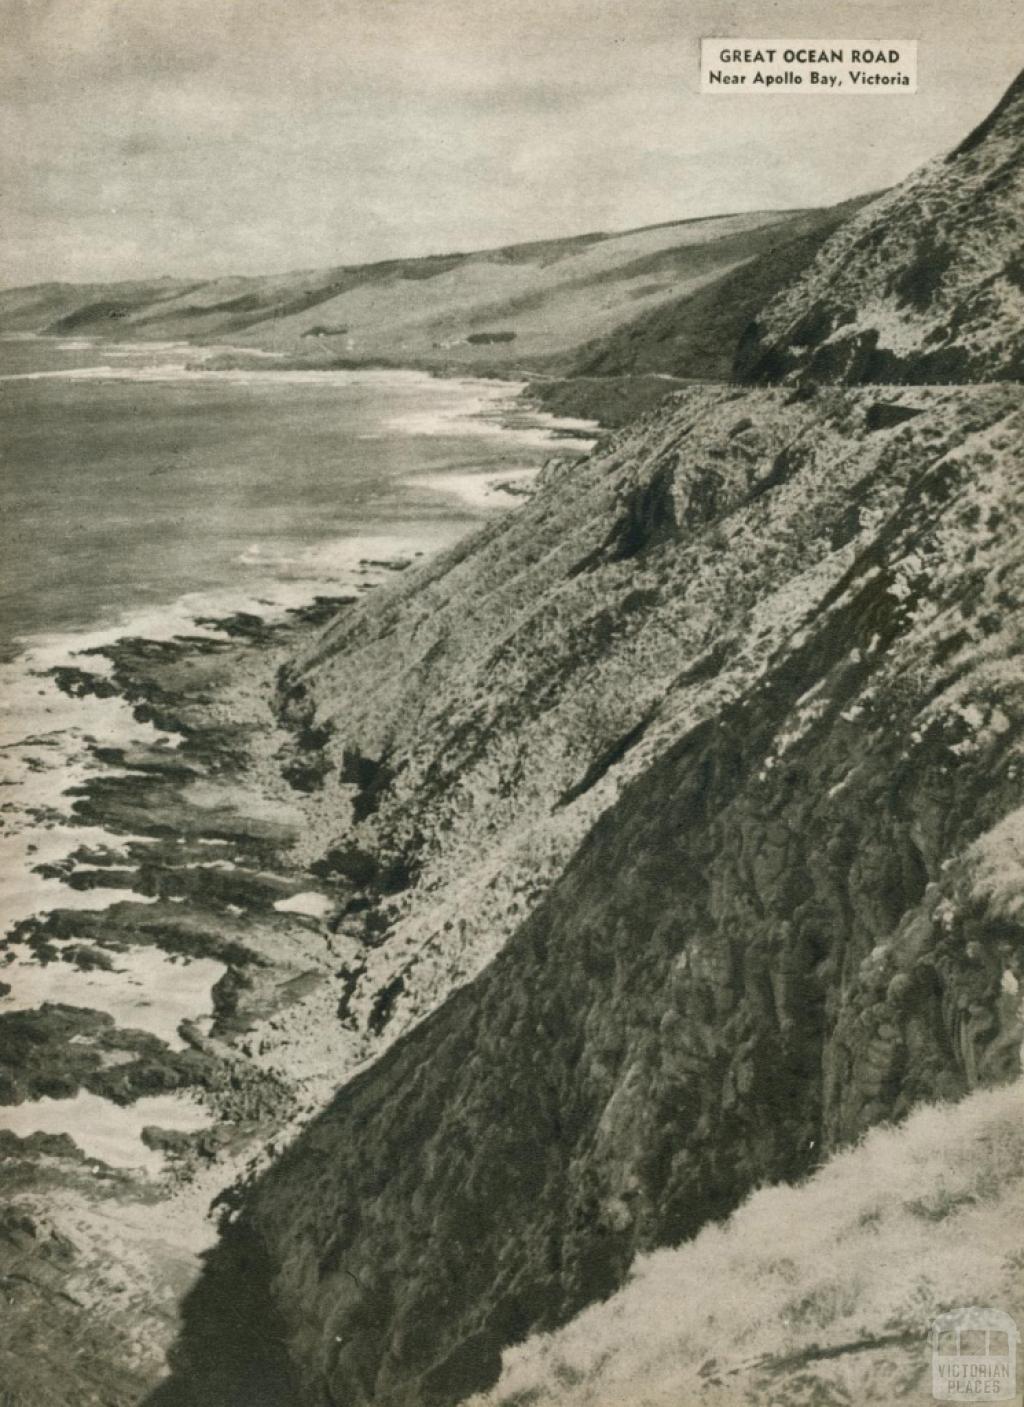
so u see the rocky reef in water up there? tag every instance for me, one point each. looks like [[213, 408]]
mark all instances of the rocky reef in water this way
[[679, 816]]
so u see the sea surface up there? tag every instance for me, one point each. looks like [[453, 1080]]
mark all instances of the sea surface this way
[[143, 492], [132, 476]]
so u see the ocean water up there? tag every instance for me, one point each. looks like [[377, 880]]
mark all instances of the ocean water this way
[[131, 478], [142, 492], [109, 1132]]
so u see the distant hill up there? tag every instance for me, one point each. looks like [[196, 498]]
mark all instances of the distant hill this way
[[502, 309], [692, 336], [695, 335]]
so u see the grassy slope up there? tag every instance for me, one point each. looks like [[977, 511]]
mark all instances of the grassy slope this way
[[695, 336], [818, 1293], [553, 295], [691, 337]]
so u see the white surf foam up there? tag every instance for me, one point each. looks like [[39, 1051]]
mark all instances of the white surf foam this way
[[148, 990], [309, 903], [109, 1132], [481, 491]]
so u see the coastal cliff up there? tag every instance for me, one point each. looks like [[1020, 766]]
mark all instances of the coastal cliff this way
[[678, 816], [925, 284], [784, 930]]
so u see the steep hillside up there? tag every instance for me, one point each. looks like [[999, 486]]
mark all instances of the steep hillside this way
[[508, 307], [693, 337], [785, 930], [676, 826], [696, 336], [823, 1292], [469, 725], [926, 284]]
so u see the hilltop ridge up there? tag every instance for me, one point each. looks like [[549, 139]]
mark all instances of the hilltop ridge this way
[[508, 308]]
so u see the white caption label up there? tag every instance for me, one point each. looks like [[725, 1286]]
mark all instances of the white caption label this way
[[867, 66]]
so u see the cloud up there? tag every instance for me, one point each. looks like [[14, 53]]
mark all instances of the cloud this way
[[209, 136]]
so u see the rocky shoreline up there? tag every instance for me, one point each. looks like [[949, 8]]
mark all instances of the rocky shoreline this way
[[178, 958], [202, 825]]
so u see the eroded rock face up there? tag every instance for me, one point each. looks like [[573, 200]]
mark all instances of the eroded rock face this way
[[712, 753], [926, 284], [483, 712], [779, 934]]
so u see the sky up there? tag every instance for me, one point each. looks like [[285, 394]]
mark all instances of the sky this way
[[206, 137]]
